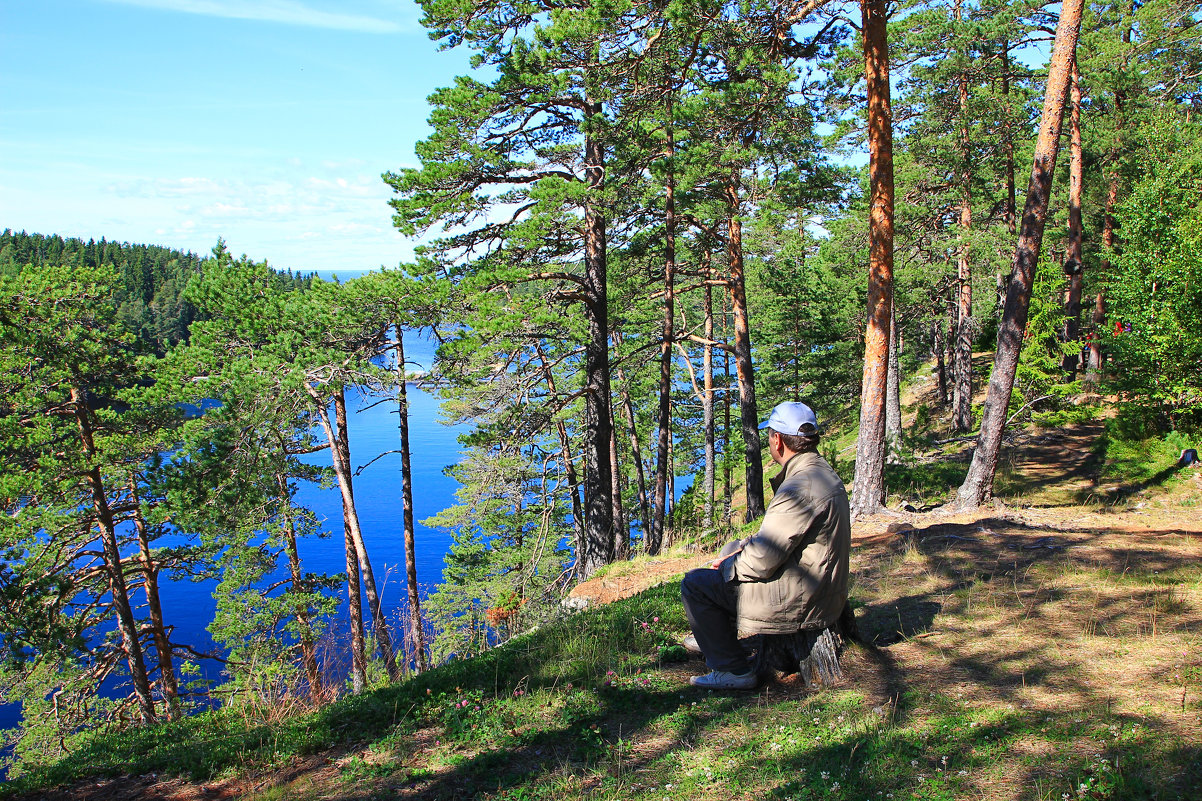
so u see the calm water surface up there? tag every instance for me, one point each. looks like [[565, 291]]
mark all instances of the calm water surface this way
[[373, 430], [189, 606]]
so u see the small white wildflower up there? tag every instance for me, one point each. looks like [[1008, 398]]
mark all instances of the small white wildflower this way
[[962, 773], [835, 787], [825, 775]]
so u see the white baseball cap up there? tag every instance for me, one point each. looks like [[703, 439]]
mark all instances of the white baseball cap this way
[[792, 417]]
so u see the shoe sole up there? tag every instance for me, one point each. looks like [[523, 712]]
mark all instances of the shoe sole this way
[[751, 686]]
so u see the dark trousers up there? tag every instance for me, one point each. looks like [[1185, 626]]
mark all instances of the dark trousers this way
[[711, 605]]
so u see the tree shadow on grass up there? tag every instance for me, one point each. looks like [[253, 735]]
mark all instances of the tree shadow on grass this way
[[583, 754], [1040, 592], [945, 686], [1121, 494]]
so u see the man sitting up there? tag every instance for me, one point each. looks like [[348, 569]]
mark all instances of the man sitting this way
[[791, 575]]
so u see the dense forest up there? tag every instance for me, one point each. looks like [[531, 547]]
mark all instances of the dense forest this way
[[640, 226], [149, 293]]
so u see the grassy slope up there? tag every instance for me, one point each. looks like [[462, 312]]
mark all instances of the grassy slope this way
[[1047, 652], [1006, 665]]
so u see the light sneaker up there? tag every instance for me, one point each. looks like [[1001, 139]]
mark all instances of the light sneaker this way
[[689, 643], [721, 680]]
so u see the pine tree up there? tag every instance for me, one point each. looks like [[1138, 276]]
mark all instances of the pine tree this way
[[978, 484], [71, 436]]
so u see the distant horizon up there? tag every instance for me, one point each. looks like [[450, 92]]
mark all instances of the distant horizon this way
[[342, 273]]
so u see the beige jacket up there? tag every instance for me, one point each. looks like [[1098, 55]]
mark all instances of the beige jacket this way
[[792, 574]]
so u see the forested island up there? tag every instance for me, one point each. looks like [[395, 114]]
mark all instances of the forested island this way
[[950, 228]]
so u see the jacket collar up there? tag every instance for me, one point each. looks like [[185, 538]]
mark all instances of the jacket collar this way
[[797, 462]]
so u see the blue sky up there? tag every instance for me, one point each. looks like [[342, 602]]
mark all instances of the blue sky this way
[[175, 122]]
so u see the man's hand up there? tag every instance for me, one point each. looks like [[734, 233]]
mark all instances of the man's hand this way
[[717, 563]]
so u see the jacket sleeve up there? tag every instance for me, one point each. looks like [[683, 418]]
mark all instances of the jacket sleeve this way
[[788, 517]]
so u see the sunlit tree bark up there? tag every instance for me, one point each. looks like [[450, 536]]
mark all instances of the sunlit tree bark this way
[[978, 484], [868, 488]]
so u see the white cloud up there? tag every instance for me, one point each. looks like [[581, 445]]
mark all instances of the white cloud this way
[[305, 218], [226, 210], [182, 187], [286, 11], [361, 186], [355, 229]]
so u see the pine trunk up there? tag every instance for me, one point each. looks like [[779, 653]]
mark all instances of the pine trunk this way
[[978, 484], [354, 592], [727, 489], [868, 488], [962, 365], [158, 628], [565, 450], [655, 539], [307, 644], [636, 451], [345, 475], [112, 564], [417, 637], [745, 371], [598, 518], [1076, 173], [1099, 309], [340, 456], [1011, 212], [621, 544], [707, 411], [1108, 225], [893, 427], [940, 362]]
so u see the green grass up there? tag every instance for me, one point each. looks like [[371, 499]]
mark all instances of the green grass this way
[[586, 650], [586, 708], [1141, 461], [926, 482], [997, 672]]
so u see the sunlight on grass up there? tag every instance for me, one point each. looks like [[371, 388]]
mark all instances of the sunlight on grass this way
[[997, 670]]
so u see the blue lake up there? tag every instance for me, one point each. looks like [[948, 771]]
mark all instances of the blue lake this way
[[372, 424], [373, 430], [372, 427]]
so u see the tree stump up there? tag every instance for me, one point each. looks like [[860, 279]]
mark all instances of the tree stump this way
[[814, 654]]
